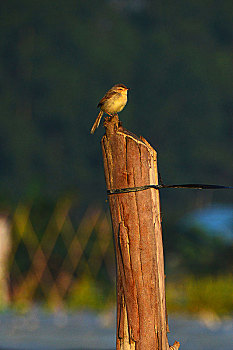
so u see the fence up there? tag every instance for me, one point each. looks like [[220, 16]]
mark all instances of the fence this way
[[49, 265], [70, 262]]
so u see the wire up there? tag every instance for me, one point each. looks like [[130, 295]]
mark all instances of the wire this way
[[158, 187]]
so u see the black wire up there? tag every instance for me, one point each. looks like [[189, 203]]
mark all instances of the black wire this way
[[158, 187]]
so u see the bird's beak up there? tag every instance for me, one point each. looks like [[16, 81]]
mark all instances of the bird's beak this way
[[128, 88]]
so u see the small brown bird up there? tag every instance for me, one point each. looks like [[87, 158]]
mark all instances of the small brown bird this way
[[112, 103]]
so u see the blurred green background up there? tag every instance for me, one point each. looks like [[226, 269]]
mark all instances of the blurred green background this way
[[57, 59]]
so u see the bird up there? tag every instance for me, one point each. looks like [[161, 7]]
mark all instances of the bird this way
[[113, 102]]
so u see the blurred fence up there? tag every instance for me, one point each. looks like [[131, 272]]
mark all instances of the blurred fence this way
[[62, 258], [50, 265]]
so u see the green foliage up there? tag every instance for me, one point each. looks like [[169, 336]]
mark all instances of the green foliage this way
[[87, 294], [207, 295], [201, 254]]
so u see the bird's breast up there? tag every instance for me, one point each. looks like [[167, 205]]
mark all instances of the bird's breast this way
[[115, 104]]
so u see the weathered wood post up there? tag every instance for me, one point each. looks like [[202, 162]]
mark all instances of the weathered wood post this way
[[5, 248], [130, 161]]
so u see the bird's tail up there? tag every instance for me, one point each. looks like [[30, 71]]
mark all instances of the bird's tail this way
[[96, 123]]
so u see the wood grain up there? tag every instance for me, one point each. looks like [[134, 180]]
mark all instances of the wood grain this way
[[141, 311]]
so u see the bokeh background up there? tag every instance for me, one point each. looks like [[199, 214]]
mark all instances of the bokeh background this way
[[57, 59]]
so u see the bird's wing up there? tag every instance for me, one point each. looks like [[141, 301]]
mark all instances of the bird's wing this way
[[108, 95]]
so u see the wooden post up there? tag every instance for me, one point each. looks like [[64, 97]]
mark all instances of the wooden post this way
[[130, 161], [5, 248]]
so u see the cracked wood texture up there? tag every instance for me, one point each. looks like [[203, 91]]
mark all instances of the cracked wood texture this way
[[141, 311]]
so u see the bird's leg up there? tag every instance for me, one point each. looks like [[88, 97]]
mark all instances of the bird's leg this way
[[108, 117], [114, 115], [111, 115]]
